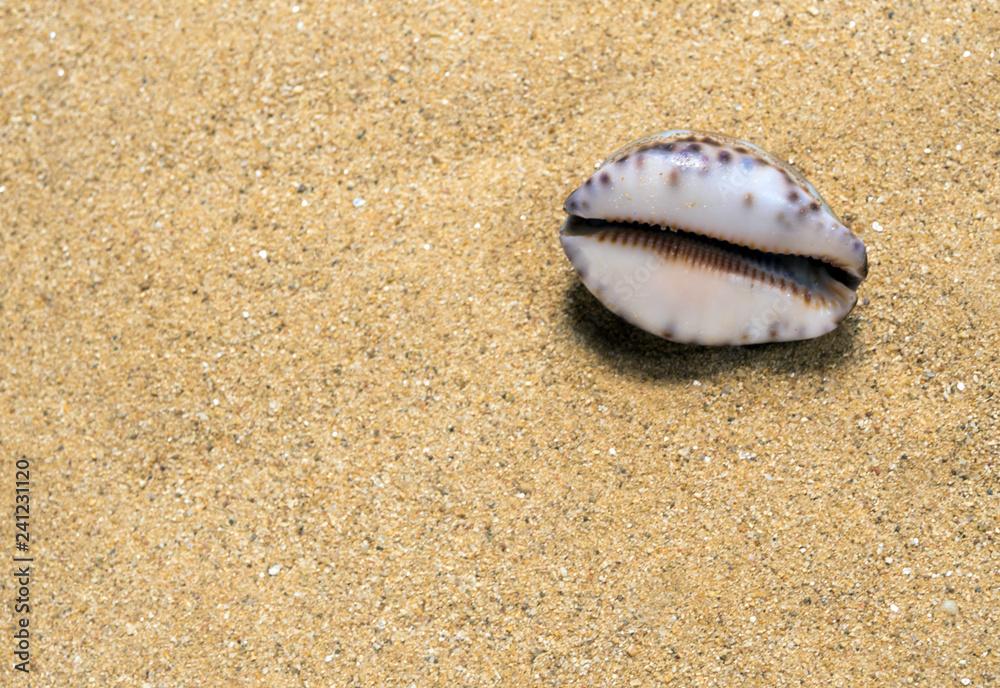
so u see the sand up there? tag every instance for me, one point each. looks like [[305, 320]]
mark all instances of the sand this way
[[312, 397]]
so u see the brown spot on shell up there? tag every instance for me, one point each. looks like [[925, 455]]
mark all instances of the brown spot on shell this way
[[748, 199], [725, 156], [742, 150], [675, 177], [605, 179], [639, 160], [793, 196], [694, 147], [814, 206], [772, 331]]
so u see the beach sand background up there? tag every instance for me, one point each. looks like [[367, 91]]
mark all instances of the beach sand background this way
[[312, 397]]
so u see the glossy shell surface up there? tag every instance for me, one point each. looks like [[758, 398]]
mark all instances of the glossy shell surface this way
[[706, 239]]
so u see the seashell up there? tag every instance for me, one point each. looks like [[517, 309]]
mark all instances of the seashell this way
[[705, 239]]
